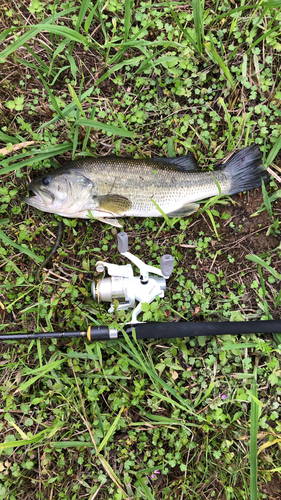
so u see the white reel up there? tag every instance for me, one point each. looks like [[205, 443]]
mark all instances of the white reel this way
[[127, 288]]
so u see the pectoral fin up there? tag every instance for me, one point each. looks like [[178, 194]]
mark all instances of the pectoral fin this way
[[185, 210], [113, 203]]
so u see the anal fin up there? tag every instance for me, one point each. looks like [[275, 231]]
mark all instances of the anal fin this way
[[185, 210]]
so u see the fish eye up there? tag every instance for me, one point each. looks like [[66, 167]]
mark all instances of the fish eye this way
[[46, 181]]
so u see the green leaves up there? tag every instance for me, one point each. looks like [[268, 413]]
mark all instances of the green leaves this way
[[17, 104]]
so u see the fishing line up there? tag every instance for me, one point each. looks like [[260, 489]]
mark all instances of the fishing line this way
[[53, 251]]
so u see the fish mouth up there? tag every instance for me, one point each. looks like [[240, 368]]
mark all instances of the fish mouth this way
[[35, 198]]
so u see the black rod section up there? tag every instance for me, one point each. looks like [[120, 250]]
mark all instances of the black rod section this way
[[182, 329]]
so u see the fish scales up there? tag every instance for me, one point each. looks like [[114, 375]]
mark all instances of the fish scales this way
[[110, 187]]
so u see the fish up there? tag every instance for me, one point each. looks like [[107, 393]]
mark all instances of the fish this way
[[109, 187]]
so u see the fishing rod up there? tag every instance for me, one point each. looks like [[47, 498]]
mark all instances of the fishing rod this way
[[121, 285], [159, 330]]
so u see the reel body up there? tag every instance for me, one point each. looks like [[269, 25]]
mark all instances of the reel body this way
[[127, 288]]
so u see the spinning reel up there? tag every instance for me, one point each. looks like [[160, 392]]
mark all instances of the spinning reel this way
[[123, 286]]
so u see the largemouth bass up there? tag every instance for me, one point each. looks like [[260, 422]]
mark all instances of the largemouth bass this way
[[111, 187]]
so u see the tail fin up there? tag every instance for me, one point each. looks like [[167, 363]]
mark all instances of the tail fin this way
[[245, 170]]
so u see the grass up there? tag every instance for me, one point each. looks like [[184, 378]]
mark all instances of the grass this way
[[194, 418]]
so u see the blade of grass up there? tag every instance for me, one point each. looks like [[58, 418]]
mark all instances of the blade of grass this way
[[273, 152], [54, 81], [80, 18], [68, 109], [21, 248], [261, 38], [73, 67], [44, 66], [232, 346], [101, 5], [8, 138], [15, 268], [71, 444], [24, 442], [7, 32], [267, 445], [167, 399], [42, 371], [136, 41], [40, 156], [209, 212], [127, 19], [144, 488], [89, 19], [64, 32], [188, 37], [253, 440], [203, 395], [198, 22], [151, 61], [139, 364], [266, 199], [18, 429], [168, 221], [264, 294], [258, 260], [272, 3], [100, 420], [129, 62], [88, 131], [235, 11], [161, 420], [104, 463], [32, 32], [213, 54], [51, 95], [122, 132], [110, 431], [59, 49], [230, 126]]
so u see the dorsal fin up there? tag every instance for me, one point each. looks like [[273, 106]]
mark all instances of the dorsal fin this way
[[186, 162]]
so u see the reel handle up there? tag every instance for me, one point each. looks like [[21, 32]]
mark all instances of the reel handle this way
[[167, 265], [122, 242]]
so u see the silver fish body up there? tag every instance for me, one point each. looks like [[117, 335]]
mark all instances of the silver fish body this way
[[111, 187]]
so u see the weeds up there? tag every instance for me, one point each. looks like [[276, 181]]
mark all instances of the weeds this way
[[150, 419]]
